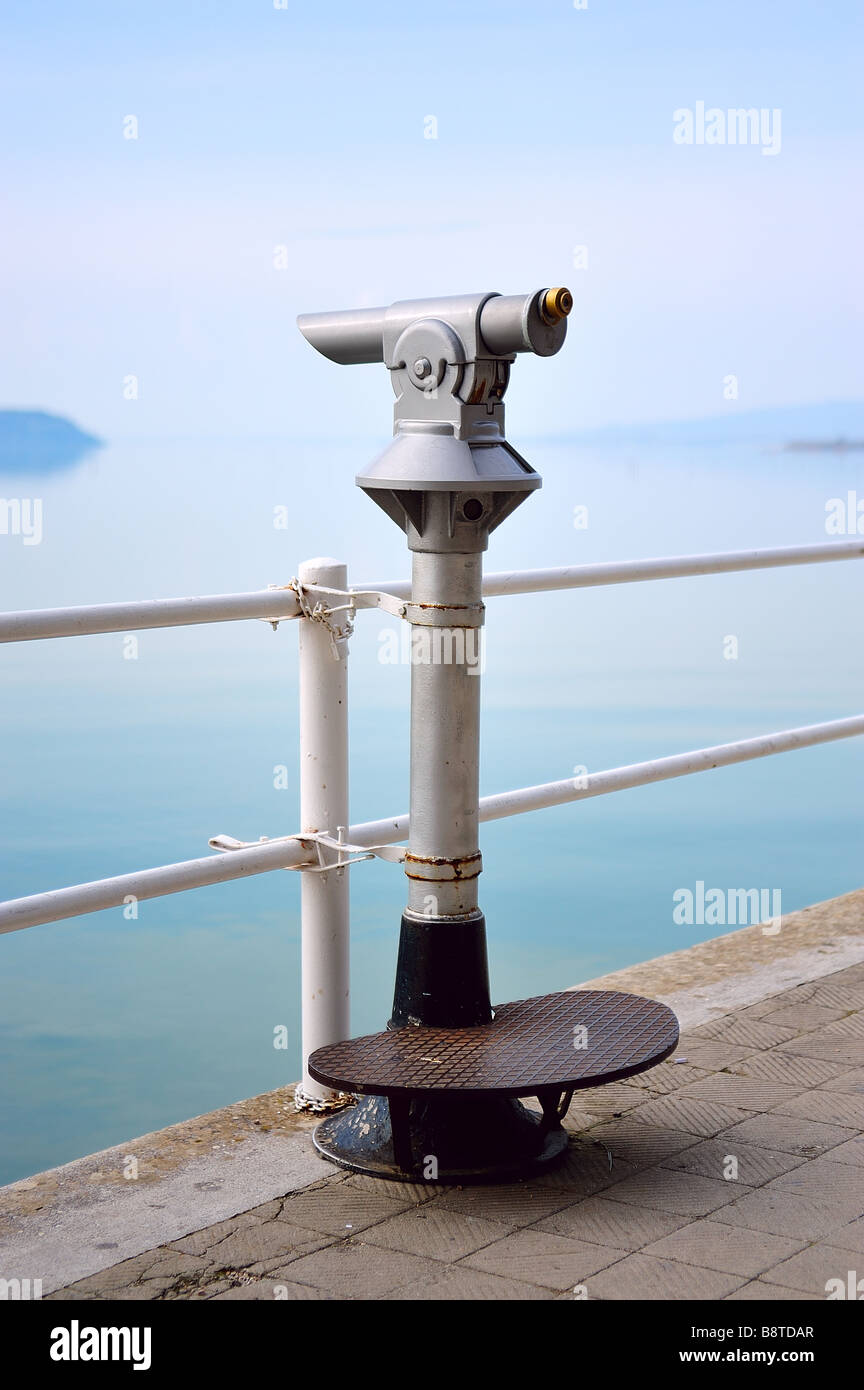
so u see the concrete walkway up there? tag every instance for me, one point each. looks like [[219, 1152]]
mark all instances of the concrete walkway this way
[[734, 1170]]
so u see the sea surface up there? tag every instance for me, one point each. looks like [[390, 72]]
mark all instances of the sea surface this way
[[115, 759]]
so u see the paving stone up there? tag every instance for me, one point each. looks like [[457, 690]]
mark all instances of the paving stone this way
[[843, 989], [152, 1264], [615, 1225], [786, 1214], [641, 1145], [586, 1167], [692, 1116], [205, 1291], [824, 1177], [286, 1288], [798, 994], [353, 1269], [667, 1189], [198, 1242], [766, 1293], [774, 1002], [803, 1017], [267, 1210], [799, 1072], [745, 1032], [805, 1137], [710, 1055], [849, 1052], [136, 1293], [810, 1270], [408, 1192], [850, 1081], [341, 1209], [746, 1092], [850, 1237], [173, 1264], [457, 1284], [267, 1240], [669, 1076], [646, 1277], [828, 1107], [273, 1290], [436, 1233], [849, 1025], [755, 1166], [513, 1205], [246, 1292], [729, 1248], [852, 1026], [850, 1152], [71, 1294], [540, 1257], [615, 1099]]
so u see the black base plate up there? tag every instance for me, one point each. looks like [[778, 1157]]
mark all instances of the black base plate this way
[[442, 1139]]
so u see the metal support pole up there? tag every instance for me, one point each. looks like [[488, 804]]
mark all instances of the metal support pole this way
[[448, 479], [445, 733], [325, 976], [442, 974]]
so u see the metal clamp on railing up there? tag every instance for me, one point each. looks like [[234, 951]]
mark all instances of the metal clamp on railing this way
[[345, 852], [318, 603]]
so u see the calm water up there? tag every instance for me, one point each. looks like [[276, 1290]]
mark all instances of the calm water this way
[[109, 1027]]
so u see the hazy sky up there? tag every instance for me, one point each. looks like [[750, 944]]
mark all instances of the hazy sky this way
[[305, 128]]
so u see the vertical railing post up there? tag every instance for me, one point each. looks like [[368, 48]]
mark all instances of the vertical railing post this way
[[325, 980]]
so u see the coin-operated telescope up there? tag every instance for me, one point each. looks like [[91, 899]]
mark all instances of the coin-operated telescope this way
[[448, 478]]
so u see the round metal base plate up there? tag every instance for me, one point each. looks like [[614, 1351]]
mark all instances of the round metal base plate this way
[[491, 1139], [441, 1104], [564, 1041]]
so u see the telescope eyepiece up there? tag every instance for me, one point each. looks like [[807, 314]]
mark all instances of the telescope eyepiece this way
[[556, 305]]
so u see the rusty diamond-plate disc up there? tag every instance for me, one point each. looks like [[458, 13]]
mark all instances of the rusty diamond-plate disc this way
[[569, 1040]]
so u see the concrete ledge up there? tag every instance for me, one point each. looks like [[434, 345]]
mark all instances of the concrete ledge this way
[[69, 1222], [83, 1218]]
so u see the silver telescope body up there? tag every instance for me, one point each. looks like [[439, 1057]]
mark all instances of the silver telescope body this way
[[502, 325]]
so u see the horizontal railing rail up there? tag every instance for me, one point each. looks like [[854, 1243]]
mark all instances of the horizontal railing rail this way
[[291, 853], [281, 604]]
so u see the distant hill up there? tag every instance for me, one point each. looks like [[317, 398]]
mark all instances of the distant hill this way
[[33, 441], [778, 425]]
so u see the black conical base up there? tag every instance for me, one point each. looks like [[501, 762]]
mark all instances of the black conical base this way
[[442, 1139], [442, 978]]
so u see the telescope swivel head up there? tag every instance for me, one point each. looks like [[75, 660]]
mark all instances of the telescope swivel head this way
[[449, 361]]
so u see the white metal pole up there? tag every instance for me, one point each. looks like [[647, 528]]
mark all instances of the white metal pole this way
[[668, 567], [272, 604], [445, 735], [325, 978]]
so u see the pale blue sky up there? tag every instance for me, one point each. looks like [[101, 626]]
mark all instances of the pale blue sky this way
[[304, 128]]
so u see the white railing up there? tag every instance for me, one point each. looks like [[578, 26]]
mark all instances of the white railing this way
[[277, 603], [323, 850]]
